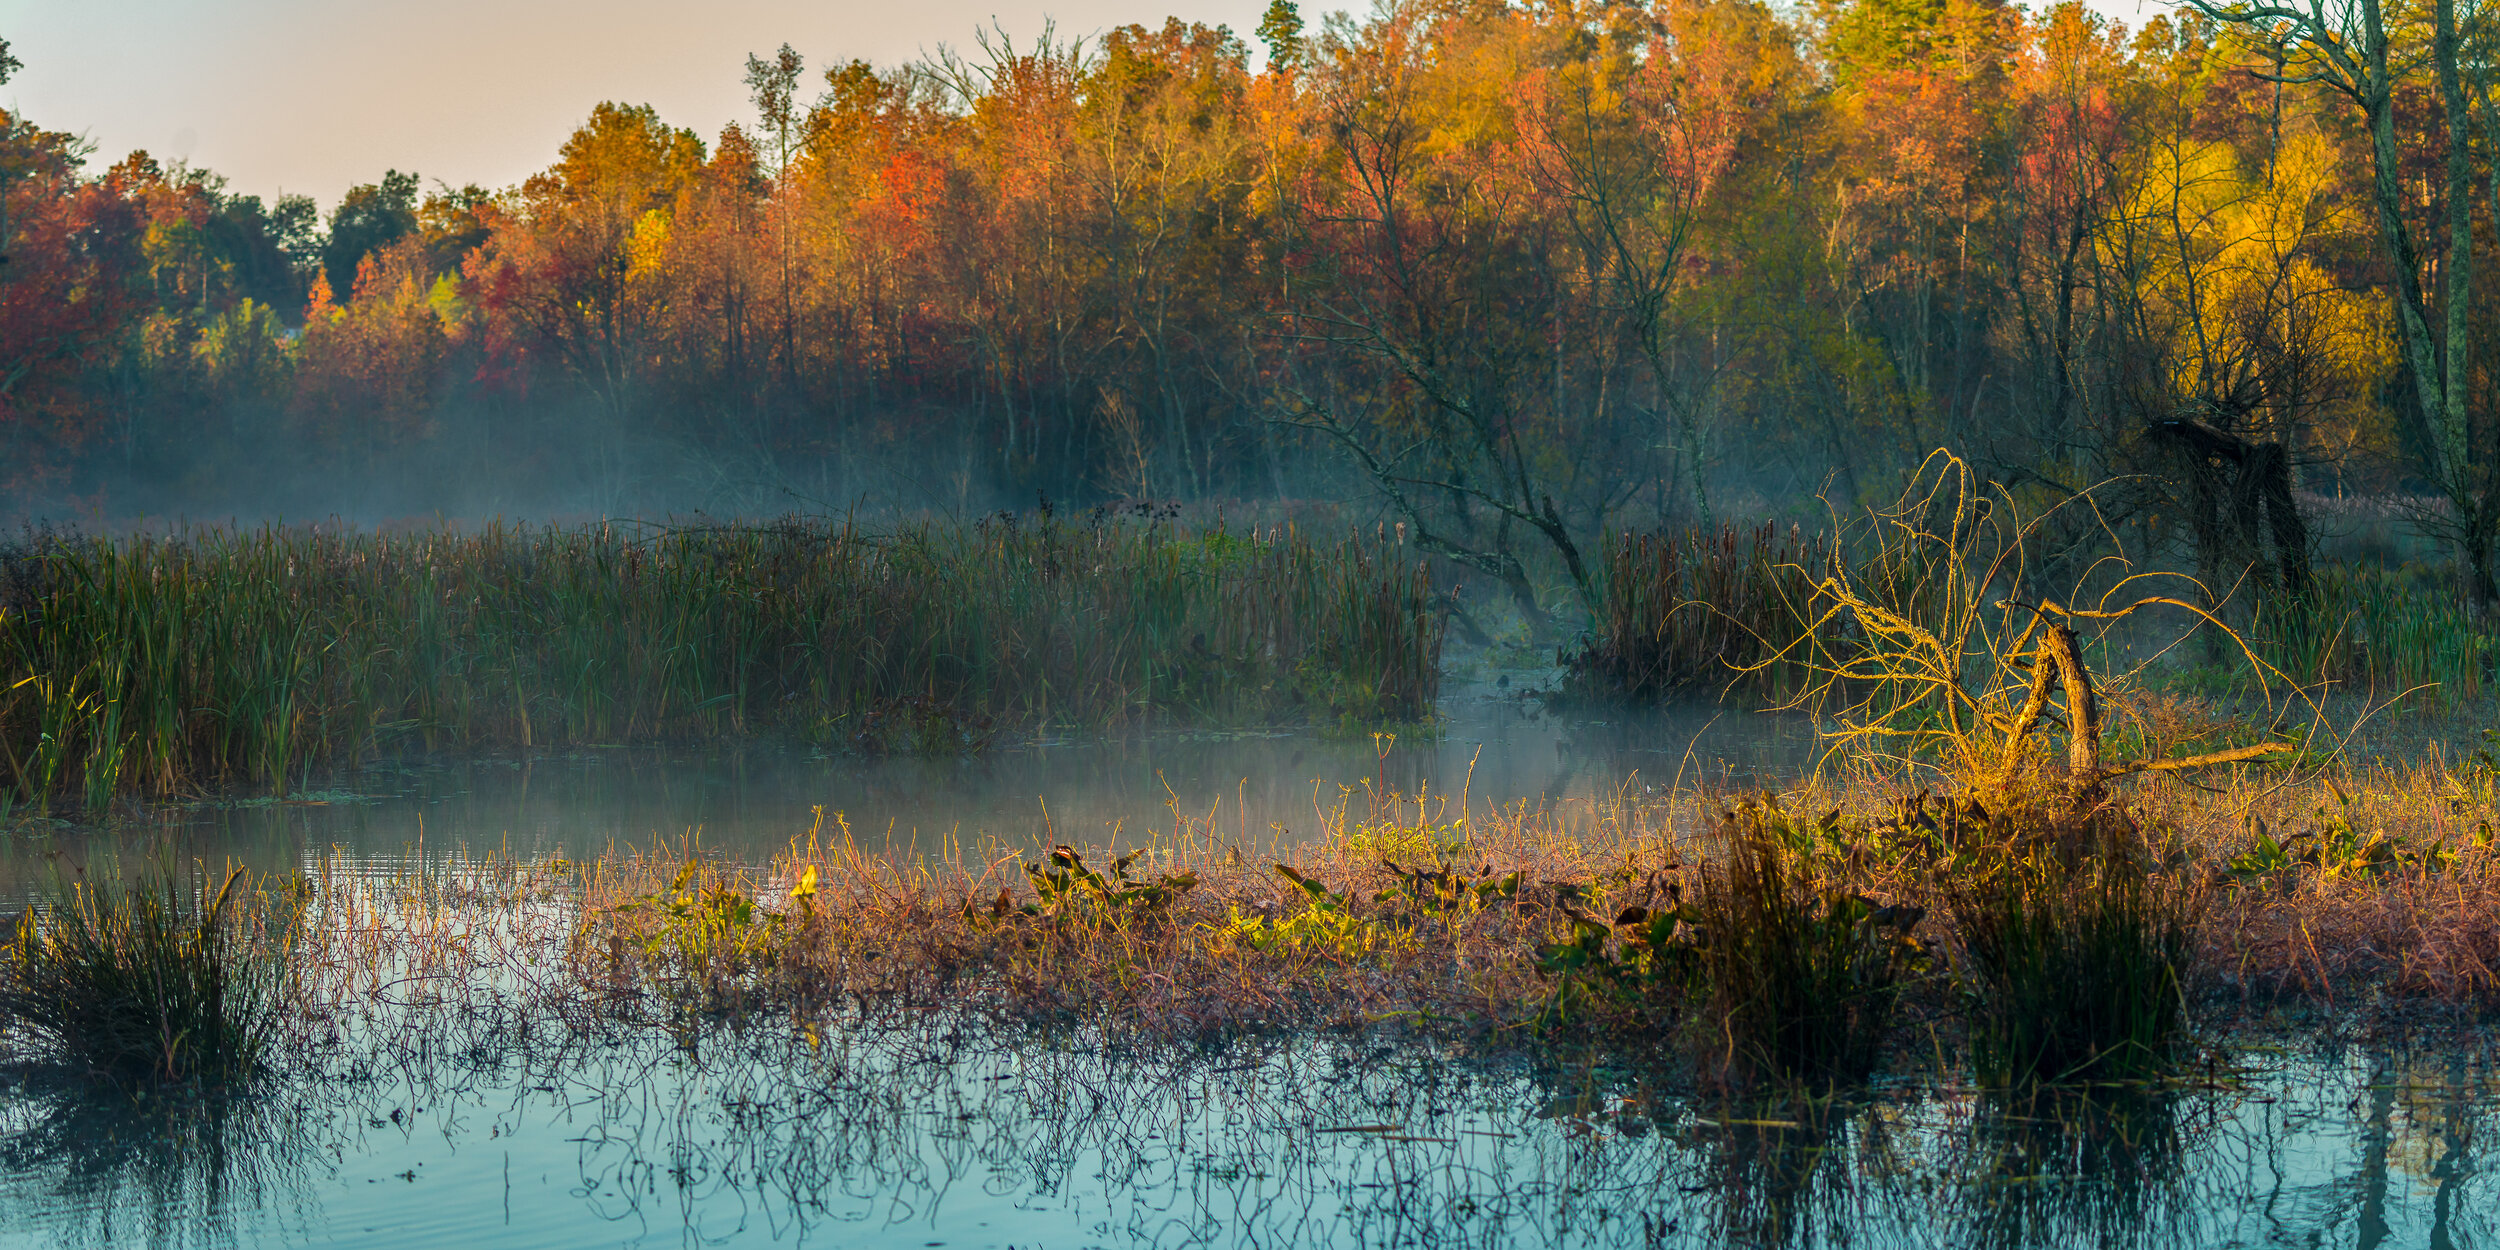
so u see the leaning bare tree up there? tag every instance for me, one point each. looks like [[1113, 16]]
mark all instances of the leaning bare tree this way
[[1427, 280]]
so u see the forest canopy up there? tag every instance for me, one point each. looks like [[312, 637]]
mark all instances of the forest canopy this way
[[1521, 275]]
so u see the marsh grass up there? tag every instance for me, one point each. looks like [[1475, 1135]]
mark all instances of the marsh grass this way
[[158, 665], [150, 981], [1189, 934], [1730, 946], [2374, 892], [1798, 977], [2371, 630], [1768, 951], [2073, 971], [1697, 612]]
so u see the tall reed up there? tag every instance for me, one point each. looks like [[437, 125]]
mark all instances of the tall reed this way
[[1698, 611], [2370, 629], [221, 657]]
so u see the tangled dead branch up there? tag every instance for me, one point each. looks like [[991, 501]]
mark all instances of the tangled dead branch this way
[[1924, 646]]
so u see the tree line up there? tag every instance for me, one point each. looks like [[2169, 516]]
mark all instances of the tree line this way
[[1522, 275]]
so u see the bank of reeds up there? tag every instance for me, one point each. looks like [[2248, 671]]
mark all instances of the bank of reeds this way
[[152, 980], [1697, 612], [2371, 630], [1737, 612], [154, 665]]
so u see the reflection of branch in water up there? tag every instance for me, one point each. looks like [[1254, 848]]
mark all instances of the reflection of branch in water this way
[[1781, 1172], [923, 1126], [912, 1135]]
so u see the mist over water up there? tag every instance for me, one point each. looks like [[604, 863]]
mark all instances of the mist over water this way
[[1257, 789], [1549, 329]]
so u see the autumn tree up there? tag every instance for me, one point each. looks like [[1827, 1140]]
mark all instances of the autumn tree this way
[[72, 287], [1423, 275], [1629, 143], [577, 268], [369, 217], [368, 370], [2370, 58]]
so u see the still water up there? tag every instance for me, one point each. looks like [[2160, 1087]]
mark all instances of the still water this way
[[938, 1135], [1494, 748], [938, 1141]]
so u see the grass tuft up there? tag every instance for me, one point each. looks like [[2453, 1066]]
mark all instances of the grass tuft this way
[[1698, 612], [1798, 975], [149, 982], [2074, 972]]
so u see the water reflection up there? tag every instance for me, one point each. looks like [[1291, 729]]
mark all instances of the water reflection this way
[[942, 1138], [2096, 1166], [86, 1165]]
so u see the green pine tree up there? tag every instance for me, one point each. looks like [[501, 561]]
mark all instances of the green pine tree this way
[[1281, 31]]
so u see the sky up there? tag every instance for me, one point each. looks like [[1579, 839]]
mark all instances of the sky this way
[[316, 96]]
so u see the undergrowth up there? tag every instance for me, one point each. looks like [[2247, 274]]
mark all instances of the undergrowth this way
[[1756, 948], [1795, 942]]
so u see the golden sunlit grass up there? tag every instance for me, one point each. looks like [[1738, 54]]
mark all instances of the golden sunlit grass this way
[[1715, 930]]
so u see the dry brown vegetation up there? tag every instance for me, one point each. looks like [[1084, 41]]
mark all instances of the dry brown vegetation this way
[[1532, 926]]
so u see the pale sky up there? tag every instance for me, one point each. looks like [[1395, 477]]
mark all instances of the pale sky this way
[[315, 96]]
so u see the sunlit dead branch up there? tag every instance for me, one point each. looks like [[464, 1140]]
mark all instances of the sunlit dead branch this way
[[1924, 642]]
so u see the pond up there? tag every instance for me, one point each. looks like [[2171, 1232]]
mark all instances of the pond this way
[[941, 1133], [748, 803], [938, 1139]]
